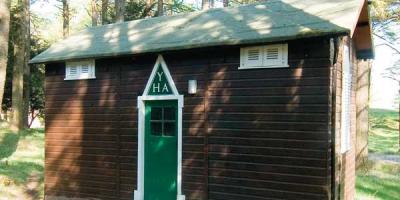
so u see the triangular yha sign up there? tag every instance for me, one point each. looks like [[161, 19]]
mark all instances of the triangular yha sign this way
[[159, 85], [160, 81]]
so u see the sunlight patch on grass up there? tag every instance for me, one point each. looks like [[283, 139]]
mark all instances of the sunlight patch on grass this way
[[383, 134], [21, 163], [378, 181]]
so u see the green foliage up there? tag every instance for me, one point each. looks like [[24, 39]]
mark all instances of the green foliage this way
[[178, 6], [139, 9], [242, 2], [385, 14], [37, 89], [383, 133], [136, 10], [385, 10], [37, 78], [37, 45]]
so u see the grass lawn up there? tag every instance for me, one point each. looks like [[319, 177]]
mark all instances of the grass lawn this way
[[383, 133], [21, 163], [380, 180]]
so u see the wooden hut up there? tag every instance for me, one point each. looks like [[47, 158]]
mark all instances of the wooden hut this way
[[252, 102]]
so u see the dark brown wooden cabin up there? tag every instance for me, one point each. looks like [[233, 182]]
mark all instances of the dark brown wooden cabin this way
[[261, 132]]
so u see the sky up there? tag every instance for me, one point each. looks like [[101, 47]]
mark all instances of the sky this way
[[50, 13], [383, 90]]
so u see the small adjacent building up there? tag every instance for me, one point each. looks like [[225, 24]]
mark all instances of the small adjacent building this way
[[253, 102]]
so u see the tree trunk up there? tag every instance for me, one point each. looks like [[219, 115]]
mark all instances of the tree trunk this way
[[160, 8], [27, 69], [65, 15], [104, 12], [33, 117], [226, 3], [94, 12], [20, 95], [205, 4], [147, 9], [169, 8], [119, 11], [4, 36]]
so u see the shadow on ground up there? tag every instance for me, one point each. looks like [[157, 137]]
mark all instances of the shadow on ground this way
[[378, 180], [8, 145], [21, 164]]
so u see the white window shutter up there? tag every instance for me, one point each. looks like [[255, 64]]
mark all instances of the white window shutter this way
[[252, 57], [71, 71], [276, 55], [84, 69], [272, 56]]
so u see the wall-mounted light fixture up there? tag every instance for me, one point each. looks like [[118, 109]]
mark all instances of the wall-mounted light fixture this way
[[192, 86]]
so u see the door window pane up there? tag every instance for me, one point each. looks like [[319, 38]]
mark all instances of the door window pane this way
[[169, 129], [169, 113], [156, 113], [156, 128]]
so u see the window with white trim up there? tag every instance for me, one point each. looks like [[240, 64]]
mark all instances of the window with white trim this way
[[346, 101], [268, 56], [82, 69]]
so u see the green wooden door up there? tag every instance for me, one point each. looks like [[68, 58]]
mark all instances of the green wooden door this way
[[160, 166]]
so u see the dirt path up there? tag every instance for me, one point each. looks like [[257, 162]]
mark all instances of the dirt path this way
[[32, 187], [29, 190], [384, 157]]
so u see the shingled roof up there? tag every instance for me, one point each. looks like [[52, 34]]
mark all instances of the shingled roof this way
[[271, 21]]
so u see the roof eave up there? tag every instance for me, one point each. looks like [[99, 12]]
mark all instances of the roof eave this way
[[38, 60], [363, 35]]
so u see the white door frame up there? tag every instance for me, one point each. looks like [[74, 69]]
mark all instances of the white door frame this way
[[139, 193]]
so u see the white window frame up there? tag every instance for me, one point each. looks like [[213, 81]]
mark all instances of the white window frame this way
[[79, 64], [346, 101], [263, 63]]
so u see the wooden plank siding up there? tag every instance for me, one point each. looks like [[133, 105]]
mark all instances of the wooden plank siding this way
[[247, 134]]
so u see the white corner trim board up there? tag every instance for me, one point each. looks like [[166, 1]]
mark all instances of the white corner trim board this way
[[139, 193]]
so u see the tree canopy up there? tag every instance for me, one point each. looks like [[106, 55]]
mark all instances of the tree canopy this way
[[386, 22]]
